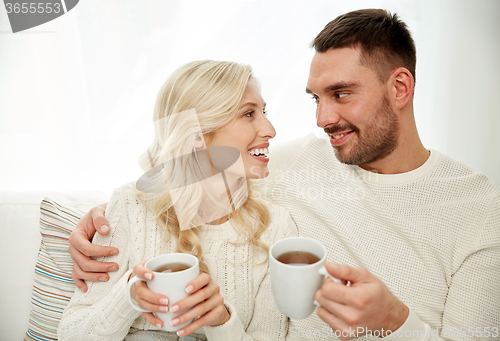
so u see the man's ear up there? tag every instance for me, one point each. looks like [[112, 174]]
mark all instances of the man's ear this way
[[402, 85]]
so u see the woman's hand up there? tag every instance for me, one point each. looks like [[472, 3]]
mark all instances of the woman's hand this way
[[146, 298], [205, 302]]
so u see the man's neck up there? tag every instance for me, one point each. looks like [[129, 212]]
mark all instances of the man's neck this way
[[397, 164], [409, 155]]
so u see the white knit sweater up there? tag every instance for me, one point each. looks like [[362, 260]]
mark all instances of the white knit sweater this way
[[103, 313], [431, 235]]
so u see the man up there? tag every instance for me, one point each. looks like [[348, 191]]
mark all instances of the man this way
[[414, 233]]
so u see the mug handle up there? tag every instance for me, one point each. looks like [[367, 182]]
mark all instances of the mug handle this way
[[323, 272], [131, 301]]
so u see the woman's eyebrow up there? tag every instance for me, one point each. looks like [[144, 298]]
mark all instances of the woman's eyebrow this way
[[249, 104]]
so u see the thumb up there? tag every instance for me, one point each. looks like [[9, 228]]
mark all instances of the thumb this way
[[348, 273]]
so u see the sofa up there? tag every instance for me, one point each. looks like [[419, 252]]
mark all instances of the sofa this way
[[21, 245]]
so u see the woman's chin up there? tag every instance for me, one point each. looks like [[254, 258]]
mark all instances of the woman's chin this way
[[256, 173]]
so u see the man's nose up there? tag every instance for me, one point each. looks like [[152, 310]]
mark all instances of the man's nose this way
[[326, 115]]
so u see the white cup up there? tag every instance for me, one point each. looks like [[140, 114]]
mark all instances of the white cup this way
[[294, 285], [171, 284]]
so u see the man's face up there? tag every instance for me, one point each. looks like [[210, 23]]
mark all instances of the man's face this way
[[353, 107]]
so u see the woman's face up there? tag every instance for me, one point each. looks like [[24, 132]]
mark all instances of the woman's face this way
[[249, 133]]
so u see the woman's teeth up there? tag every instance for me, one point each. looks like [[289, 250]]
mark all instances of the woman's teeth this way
[[259, 152]]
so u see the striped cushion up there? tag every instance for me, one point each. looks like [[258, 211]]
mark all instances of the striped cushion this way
[[53, 286]]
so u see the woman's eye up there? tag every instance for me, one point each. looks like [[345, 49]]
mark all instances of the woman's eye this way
[[249, 114], [341, 95], [264, 112]]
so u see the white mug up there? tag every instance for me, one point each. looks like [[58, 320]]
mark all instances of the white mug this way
[[294, 285], [170, 284]]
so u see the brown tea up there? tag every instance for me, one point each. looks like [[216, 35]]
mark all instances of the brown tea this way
[[297, 257], [172, 267]]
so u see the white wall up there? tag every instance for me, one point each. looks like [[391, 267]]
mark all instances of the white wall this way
[[76, 94]]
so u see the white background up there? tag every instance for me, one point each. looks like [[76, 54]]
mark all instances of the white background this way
[[77, 93]]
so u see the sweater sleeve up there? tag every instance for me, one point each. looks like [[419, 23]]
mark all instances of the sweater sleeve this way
[[267, 323], [103, 312], [472, 307]]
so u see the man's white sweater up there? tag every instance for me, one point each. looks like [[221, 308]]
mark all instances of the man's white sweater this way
[[431, 235]]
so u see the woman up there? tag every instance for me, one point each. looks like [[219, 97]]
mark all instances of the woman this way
[[232, 248]]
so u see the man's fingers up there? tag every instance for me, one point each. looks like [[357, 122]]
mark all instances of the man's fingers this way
[[78, 242], [348, 273], [99, 222], [334, 322], [88, 276], [86, 264], [78, 282]]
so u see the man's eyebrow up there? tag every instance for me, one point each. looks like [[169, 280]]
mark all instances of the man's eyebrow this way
[[339, 85], [334, 87]]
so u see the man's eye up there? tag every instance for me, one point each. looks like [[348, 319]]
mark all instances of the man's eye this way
[[264, 112], [341, 95], [316, 99]]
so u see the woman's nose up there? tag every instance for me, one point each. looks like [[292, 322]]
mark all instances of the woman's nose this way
[[267, 129]]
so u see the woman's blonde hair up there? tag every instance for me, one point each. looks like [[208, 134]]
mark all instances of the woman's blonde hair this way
[[214, 89]]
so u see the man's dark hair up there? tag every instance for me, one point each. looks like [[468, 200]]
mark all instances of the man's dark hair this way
[[384, 40]]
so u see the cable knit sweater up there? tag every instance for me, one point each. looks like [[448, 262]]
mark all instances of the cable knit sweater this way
[[431, 235], [103, 312]]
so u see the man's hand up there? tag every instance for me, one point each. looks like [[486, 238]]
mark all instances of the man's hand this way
[[81, 249], [367, 303]]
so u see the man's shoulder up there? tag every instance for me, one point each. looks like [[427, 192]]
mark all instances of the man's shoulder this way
[[455, 172]]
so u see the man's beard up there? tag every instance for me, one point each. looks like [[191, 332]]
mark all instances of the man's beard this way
[[378, 140]]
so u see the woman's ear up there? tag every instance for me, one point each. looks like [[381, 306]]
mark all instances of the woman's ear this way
[[402, 84], [199, 142]]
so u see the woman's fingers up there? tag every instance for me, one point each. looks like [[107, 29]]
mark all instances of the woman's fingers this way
[[149, 300], [153, 319], [141, 271], [197, 295], [199, 282], [204, 303], [200, 309], [204, 320]]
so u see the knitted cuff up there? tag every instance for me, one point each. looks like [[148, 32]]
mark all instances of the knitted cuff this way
[[231, 330], [412, 329]]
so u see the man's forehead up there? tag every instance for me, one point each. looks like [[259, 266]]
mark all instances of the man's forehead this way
[[335, 66]]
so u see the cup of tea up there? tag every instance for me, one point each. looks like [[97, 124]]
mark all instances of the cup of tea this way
[[172, 272], [297, 267]]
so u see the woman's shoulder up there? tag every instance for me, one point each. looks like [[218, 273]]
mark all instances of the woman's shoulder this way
[[277, 212], [124, 198], [281, 225]]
